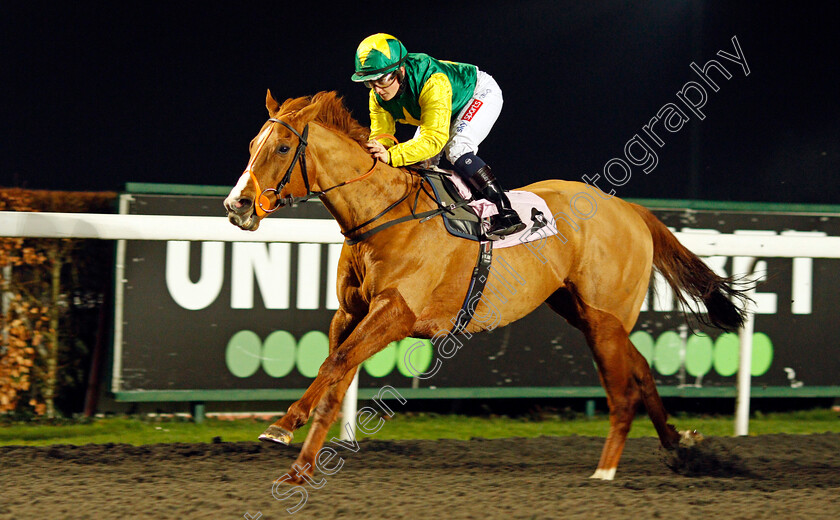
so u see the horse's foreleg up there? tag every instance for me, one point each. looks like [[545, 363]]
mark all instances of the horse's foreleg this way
[[326, 412], [323, 417], [389, 319]]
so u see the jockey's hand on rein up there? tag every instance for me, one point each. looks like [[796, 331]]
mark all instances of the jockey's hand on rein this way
[[378, 150]]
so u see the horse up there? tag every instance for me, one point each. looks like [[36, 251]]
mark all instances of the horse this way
[[409, 279]]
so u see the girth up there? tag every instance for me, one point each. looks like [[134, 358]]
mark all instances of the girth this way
[[479, 279]]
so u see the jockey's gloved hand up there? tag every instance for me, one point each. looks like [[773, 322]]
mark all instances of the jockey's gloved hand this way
[[378, 151]]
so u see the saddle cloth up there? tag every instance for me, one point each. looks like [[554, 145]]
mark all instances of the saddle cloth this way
[[531, 208]]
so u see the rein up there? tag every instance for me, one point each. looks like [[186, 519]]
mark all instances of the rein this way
[[422, 217], [263, 202]]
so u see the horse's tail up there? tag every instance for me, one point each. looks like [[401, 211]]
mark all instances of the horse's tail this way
[[685, 272]]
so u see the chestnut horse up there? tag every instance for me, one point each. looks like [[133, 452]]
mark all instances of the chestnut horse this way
[[410, 279]]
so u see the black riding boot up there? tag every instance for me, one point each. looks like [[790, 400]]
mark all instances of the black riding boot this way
[[507, 222]]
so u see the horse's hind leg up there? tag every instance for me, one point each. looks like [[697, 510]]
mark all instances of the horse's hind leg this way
[[624, 375], [643, 378], [608, 341]]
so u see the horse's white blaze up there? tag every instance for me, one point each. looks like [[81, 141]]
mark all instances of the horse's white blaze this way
[[265, 131], [604, 474], [236, 192]]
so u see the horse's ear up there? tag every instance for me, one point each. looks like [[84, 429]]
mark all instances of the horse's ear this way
[[307, 113], [270, 104]]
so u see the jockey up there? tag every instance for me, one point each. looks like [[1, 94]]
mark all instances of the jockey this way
[[454, 106]]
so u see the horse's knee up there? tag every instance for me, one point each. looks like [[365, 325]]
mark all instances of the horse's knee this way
[[335, 367]]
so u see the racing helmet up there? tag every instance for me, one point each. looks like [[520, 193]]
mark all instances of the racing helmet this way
[[377, 55]]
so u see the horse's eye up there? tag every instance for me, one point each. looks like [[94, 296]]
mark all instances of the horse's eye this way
[[283, 149]]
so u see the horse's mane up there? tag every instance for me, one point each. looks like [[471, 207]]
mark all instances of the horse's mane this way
[[332, 114]]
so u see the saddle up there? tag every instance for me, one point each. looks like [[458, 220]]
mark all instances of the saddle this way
[[459, 218], [463, 216], [468, 217]]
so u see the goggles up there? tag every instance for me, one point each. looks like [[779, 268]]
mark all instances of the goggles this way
[[383, 81]]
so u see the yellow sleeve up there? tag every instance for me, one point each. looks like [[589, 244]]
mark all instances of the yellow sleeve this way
[[435, 117], [381, 121]]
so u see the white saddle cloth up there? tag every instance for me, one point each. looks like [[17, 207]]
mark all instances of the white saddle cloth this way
[[532, 210]]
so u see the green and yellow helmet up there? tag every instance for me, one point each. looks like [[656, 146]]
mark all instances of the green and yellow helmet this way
[[378, 55]]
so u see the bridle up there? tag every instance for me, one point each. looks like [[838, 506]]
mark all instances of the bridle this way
[[300, 155], [263, 206]]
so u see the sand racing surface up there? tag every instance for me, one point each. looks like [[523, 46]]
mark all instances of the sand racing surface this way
[[772, 476]]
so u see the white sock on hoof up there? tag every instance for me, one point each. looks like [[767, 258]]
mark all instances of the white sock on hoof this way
[[604, 474], [689, 438]]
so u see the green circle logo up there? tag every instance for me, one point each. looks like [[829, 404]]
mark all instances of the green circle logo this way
[[762, 354], [666, 353], [382, 363], [243, 353], [279, 353], [698, 355], [726, 354], [643, 343], [313, 349], [701, 353], [417, 353]]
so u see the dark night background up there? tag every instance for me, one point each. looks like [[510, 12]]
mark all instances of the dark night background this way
[[95, 95]]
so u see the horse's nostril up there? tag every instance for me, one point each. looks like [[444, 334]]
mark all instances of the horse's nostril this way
[[242, 205]]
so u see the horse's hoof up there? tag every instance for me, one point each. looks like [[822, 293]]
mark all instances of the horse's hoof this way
[[291, 478], [277, 434], [689, 438]]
